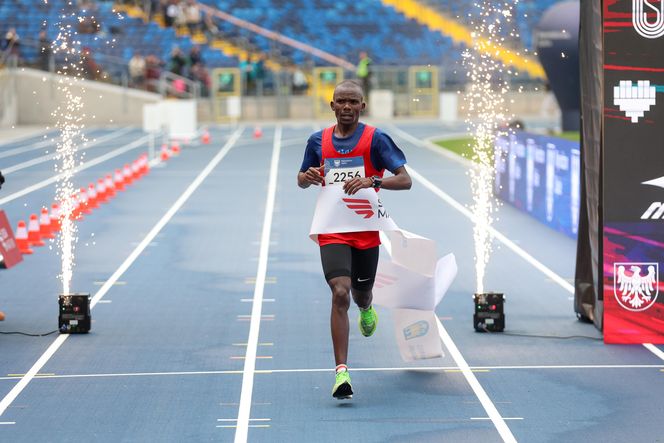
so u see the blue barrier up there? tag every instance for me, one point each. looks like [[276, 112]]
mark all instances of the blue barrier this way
[[541, 176]]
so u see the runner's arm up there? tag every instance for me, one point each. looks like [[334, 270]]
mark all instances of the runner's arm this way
[[311, 176], [400, 180]]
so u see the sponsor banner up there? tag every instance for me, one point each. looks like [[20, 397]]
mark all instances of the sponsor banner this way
[[633, 171], [541, 176], [417, 335], [9, 252]]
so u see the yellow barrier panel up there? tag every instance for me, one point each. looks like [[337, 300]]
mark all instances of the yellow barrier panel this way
[[227, 90], [423, 88], [324, 81]]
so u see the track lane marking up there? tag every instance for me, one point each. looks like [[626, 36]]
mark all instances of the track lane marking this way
[[47, 157], [102, 158], [451, 369], [244, 410], [52, 349], [487, 404]]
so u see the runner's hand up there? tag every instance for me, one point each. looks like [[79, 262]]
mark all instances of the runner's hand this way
[[355, 184], [312, 176]]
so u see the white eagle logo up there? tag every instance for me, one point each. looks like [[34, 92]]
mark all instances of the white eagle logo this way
[[636, 292]]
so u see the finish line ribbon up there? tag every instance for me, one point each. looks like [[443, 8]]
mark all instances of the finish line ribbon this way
[[412, 284]]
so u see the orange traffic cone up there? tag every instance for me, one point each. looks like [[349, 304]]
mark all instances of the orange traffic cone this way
[[119, 180], [164, 153], [56, 223], [175, 147], [135, 170], [92, 196], [110, 186], [84, 201], [21, 238], [205, 138], [258, 132], [45, 230], [101, 191], [76, 208], [34, 236], [145, 164], [126, 174]]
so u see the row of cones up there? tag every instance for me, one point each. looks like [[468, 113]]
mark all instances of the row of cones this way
[[175, 149], [47, 224]]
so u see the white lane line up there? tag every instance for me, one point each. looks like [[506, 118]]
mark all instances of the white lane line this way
[[433, 147], [486, 402], [448, 369], [7, 422], [48, 157], [27, 148], [489, 418], [102, 158], [256, 309], [496, 234], [16, 390], [475, 385], [655, 350], [251, 419]]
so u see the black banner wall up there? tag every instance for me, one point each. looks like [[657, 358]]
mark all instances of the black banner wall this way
[[587, 296], [633, 171]]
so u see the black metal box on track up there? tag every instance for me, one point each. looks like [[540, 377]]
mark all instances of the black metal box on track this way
[[489, 314], [74, 317]]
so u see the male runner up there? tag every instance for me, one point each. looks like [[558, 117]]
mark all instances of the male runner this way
[[350, 259]]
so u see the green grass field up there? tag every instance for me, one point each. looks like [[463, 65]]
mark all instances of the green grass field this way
[[463, 146]]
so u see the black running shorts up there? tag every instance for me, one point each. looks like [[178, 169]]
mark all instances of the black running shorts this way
[[341, 260]]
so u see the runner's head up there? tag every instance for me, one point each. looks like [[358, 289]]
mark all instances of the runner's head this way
[[347, 102]]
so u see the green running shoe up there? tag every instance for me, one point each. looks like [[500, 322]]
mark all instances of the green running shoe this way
[[342, 389], [368, 321]]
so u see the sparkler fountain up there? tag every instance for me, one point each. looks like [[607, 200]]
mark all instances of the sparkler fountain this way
[[487, 113], [74, 308]]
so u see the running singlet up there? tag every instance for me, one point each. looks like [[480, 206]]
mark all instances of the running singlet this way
[[341, 167]]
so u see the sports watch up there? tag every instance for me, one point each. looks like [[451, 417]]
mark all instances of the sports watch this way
[[376, 182]]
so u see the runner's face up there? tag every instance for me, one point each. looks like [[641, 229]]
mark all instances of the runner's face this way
[[347, 105]]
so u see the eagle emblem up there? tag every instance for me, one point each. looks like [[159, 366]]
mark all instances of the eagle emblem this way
[[635, 285]]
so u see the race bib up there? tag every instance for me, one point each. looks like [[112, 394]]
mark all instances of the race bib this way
[[338, 170]]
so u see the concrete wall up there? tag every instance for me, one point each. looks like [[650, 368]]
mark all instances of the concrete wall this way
[[38, 97], [8, 99]]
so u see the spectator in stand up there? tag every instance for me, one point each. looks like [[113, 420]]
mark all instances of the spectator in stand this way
[[200, 74], [300, 83], [11, 45], [259, 72], [246, 70], [363, 73], [45, 52], [178, 62], [193, 17], [195, 56], [152, 72], [137, 67], [90, 69], [172, 10]]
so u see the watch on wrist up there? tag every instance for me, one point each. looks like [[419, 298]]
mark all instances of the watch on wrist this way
[[376, 182]]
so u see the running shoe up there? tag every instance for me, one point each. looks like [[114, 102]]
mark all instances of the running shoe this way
[[342, 389], [368, 321]]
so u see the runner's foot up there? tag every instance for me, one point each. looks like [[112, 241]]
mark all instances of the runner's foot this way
[[368, 321]]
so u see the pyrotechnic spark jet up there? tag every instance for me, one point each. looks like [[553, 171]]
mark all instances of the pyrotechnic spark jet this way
[[68, 116], [486, 112]]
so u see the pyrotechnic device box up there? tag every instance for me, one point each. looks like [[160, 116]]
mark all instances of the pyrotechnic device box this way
[[74, 313], [489, 313]]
